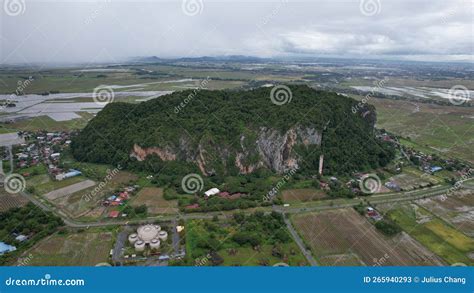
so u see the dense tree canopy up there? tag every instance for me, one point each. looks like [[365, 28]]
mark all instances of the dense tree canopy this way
[[217, 119]]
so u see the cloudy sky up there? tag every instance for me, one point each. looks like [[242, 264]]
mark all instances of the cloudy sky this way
[[35, 31]]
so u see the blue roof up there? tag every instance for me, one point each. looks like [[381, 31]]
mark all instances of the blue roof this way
[[72, 172], [435, 168], [6, 248]]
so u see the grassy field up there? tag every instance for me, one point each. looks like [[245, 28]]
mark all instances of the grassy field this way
[[73, 249], [37, 180], [54, 184], [441, 238], [343, 237], [73, 81], [152, 197], [302, 195]]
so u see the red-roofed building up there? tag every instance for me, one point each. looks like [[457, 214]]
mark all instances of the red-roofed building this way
[[114, 214], [224, 193], [124, 195], [193, 206]]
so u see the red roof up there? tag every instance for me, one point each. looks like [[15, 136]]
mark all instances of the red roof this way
[[193, 206], [114, 214]]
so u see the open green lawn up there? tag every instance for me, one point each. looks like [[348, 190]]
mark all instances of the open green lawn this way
[[37, 180], [54, 184], [39, 169]]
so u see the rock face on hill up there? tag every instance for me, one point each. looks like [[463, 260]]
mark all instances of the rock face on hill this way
[[227, 132]]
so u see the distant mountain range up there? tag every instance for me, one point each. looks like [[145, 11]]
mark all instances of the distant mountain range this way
[[231, 58]]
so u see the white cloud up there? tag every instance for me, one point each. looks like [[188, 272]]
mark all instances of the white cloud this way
[[85, 31]]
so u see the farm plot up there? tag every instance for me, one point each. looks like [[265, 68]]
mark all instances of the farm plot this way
[[247, 256], [435, 234], [456, 209], [78, 249], [8, 201], [343, 237], [152, 197], [302, 195]]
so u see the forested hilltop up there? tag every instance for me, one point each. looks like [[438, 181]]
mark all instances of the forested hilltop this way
[[230, 132]]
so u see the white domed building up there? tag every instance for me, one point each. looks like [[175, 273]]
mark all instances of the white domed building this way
[[147, 234]]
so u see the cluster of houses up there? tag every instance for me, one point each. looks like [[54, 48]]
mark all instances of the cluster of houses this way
[[118, 199], [44, 147], [5, 248], [426, 162], [223, 194]]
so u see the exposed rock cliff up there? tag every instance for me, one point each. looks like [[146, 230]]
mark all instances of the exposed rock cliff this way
[[271, 149]]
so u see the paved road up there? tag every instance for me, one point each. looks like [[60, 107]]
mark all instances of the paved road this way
[[118, 247], [300, 243], [319, 206], [175, 237]]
